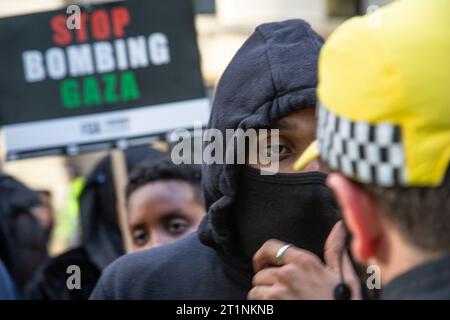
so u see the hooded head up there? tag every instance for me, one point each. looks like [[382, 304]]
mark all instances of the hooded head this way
[[273, 75], [18, 228], [101, 235]]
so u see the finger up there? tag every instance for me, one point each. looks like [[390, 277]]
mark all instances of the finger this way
[[348, 269], [335, 246], [267, 293], [267, 255], [258, 293], [265, 277]]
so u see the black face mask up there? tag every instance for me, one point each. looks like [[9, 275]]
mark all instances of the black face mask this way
[[293, 207]]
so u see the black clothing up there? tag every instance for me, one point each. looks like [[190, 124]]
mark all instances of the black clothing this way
[[23, 241], [296, 208], [50, 281], [185, 269], [429, 281]]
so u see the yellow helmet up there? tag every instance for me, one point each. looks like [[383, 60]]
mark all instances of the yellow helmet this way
[[384, 96]]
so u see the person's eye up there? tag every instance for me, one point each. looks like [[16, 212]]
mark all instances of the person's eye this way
[[279, 150], [140, 236], [177, 226]]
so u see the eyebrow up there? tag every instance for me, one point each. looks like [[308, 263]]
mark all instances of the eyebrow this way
[[285, 125]]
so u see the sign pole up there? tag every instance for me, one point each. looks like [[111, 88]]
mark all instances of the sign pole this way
[[120, 175]]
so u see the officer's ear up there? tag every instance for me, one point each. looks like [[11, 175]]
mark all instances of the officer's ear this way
[[360, 216]]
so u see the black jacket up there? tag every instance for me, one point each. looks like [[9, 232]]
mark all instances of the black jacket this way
[[185, 270], [50, 280], [272, 75], [429, 281], [23, 241]]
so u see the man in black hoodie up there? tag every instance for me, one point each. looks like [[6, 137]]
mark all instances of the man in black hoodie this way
[[23, 241], [270, 83]]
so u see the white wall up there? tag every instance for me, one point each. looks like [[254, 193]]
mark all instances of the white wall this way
[[17, 7], [244, 12], [221, 36]]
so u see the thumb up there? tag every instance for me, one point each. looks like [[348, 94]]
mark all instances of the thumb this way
[[334, 246]]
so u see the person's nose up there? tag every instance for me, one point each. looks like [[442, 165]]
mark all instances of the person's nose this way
[[316, 165], [158, 239], [313, 166]]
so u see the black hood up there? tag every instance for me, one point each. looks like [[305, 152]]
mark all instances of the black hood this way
[[272, 75], [100, 231], [15, 199]]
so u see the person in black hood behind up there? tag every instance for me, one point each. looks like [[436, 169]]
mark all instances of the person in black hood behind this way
[[270, 83], [101, 238], [23, 242]]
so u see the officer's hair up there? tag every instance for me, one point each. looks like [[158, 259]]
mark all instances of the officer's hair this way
[[422, 215]]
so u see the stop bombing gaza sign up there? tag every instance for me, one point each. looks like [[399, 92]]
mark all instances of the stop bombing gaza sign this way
[[130, 73]]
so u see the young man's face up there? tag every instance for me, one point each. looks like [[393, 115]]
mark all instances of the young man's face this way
[[296, 132], [293, 207], [161, 212]]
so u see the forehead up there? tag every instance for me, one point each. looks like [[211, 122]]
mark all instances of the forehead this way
[[301, 119], [161, 193]]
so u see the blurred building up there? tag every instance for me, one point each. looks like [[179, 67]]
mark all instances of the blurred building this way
[[223, 25]]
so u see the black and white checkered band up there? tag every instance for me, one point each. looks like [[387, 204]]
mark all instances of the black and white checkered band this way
[[369, 153]]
